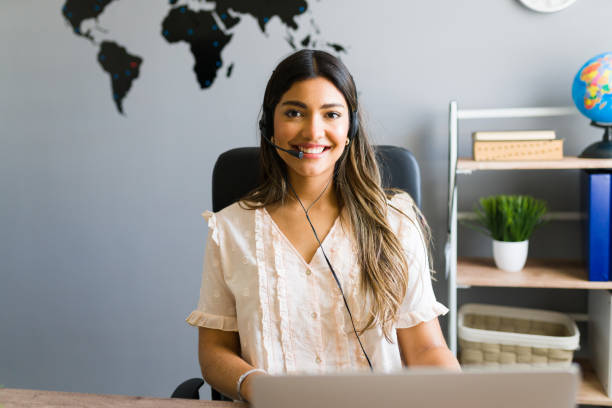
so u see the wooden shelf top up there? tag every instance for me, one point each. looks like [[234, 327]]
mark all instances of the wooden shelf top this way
[[559, 274], [565, 163]]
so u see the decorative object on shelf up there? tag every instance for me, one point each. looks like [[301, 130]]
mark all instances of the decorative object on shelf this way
[[510, 256], [596, 203], [547, 6], [518, 150], [592, 95], [512, 135], [491, 334], [515, 145], [510, 220]]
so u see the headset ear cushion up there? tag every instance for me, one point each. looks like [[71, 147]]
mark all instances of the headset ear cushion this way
[[263, 126], [354, 125], [266, 123]]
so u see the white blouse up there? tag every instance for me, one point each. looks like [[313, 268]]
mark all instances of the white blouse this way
[[289, 314]]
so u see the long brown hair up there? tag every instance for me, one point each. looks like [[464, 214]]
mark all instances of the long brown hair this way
[[357, 183]]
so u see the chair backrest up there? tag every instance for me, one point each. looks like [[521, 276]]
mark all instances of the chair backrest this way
[[235, 173]]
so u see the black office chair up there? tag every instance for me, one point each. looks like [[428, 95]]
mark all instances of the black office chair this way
[[234, 175]]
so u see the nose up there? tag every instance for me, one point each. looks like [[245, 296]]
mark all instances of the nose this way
[[314, 127]]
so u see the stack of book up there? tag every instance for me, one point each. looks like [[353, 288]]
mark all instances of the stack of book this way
[[517, 145], [596, 204]]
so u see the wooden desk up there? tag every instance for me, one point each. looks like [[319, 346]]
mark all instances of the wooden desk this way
[[18, 398]]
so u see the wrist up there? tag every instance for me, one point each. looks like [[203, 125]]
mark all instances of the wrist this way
[[243, 385]]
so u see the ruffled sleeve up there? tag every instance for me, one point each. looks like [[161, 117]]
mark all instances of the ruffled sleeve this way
[[420, 304], [217, 307]]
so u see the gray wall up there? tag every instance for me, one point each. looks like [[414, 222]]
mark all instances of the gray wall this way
[[101, 239]]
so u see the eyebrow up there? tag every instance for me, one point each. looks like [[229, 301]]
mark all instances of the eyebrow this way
[[303, 105]]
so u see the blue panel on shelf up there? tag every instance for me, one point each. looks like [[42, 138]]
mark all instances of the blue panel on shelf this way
[[597, 194]]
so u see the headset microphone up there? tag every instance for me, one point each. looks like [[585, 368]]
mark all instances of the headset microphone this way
[[294, 153]]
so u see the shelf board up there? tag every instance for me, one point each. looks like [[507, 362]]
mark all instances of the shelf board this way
[[591, 392], [538, 273], [464, 164]]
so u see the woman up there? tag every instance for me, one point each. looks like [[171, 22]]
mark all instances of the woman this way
[[272, 301]]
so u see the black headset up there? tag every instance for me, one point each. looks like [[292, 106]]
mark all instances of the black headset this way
[[267, 132]]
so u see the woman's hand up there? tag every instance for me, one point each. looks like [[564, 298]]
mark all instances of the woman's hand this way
[[246, 389], [424, 345]]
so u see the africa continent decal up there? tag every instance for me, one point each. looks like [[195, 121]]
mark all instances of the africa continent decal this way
[[206, 27]]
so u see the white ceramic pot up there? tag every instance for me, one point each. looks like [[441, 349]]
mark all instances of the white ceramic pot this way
[[510, 256]]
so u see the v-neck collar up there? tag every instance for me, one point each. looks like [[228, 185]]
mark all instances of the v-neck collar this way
[[290, 244]]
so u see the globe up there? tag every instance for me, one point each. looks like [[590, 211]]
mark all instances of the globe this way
[[592, 95], [592, 88]]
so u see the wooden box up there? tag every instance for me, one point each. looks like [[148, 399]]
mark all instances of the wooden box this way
[[518, 150]]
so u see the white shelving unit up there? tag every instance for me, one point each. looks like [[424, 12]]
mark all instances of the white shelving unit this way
[[463, 273]]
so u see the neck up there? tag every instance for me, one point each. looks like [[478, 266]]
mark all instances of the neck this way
[[309, 189]]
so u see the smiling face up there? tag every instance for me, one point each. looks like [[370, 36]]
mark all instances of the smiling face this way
[[311, 117]]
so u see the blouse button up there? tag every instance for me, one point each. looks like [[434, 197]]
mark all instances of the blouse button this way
[[314, 315], [318, 360], [308, 272]]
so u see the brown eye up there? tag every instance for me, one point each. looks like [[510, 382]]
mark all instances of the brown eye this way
[[292, 113], [333, 115]]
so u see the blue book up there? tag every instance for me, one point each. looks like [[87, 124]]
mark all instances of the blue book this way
[[597, 194]]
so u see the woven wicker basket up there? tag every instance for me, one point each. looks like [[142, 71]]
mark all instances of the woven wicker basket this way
[[494, 335]]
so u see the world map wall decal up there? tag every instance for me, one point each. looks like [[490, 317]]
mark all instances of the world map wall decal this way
[[207, 31]]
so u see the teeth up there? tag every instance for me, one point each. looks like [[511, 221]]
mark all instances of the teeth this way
[[314, 150]]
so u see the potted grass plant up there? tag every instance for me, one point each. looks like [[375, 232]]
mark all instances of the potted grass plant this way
[[509, 220]]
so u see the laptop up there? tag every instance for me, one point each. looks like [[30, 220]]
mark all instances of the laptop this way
[[423, 388]]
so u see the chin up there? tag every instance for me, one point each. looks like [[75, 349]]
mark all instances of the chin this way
[[308, 171]]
